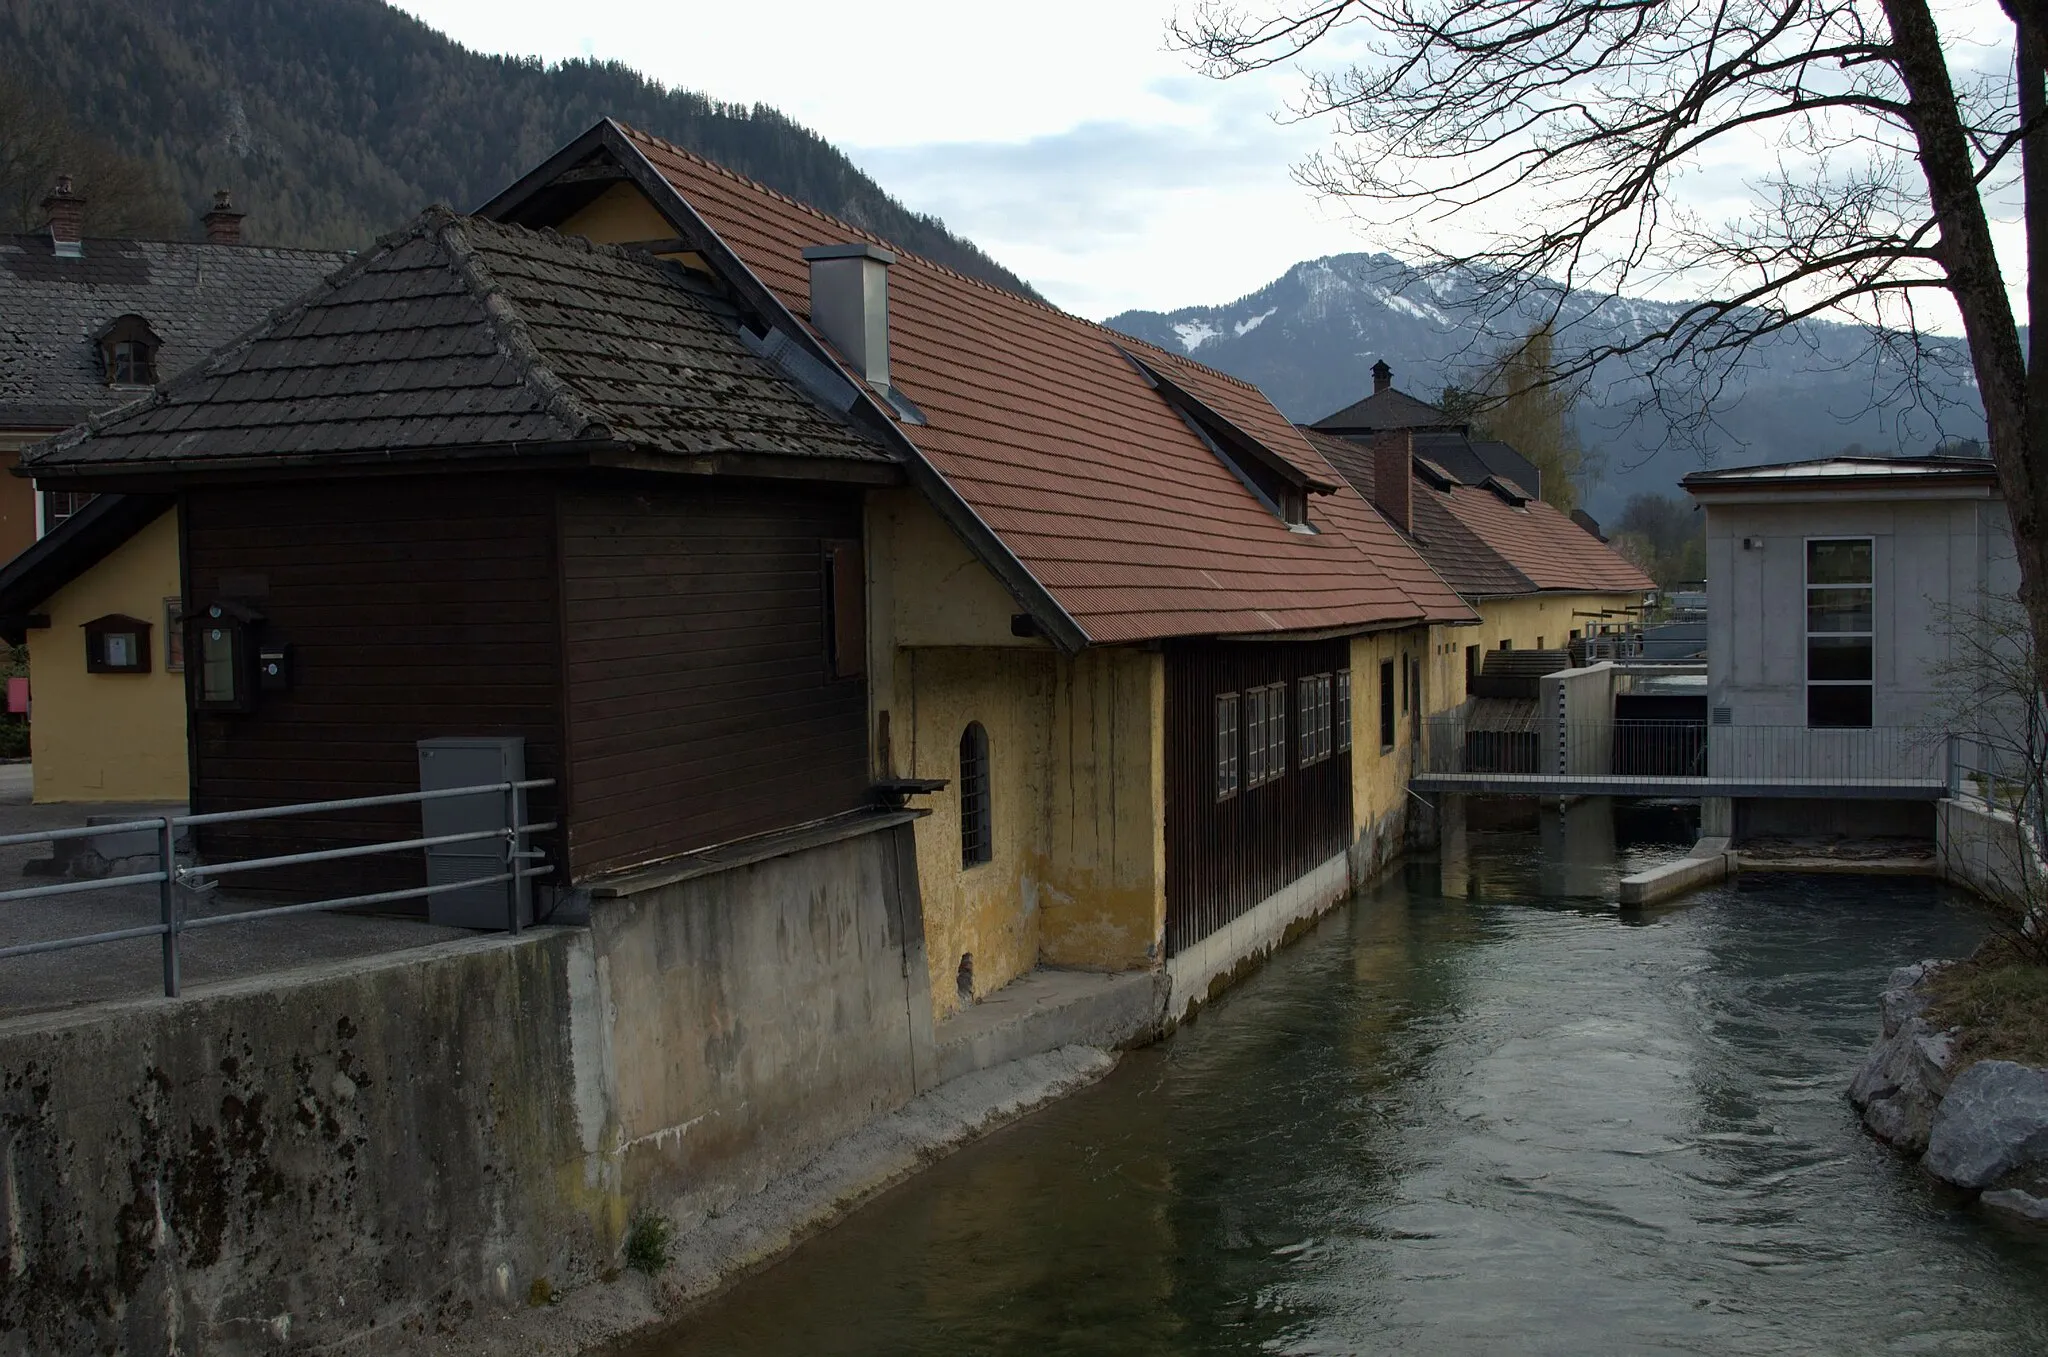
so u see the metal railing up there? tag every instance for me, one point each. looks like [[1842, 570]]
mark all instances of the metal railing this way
[[175, 883], [1532, 745]]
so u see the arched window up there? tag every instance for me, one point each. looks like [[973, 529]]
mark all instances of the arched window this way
[[977, 838], [128, 352]]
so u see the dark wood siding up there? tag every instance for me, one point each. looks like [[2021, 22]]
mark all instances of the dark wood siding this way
[[702, 706], [415, 607], [1223, 857]]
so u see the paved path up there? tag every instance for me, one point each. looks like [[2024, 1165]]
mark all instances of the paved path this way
[[134, 969]]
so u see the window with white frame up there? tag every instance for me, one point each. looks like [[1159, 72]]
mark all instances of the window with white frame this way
[[1254, 736], [1276, 730], [1312, 702], [1226, 746], [1343, 703], [1265, 733], [1841, 639]]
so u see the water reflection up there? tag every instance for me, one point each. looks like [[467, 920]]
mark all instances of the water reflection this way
[[1462, 1120]]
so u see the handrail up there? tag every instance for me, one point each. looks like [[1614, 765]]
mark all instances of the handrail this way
[[175, 882]]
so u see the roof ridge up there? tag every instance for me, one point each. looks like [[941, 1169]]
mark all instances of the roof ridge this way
[[503, 314], [1116, 336]]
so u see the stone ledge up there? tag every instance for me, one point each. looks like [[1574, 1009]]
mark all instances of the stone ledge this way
[[1050, 1008]]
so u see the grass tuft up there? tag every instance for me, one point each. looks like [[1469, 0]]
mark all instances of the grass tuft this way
[[1997, 1003], [647, 1243]]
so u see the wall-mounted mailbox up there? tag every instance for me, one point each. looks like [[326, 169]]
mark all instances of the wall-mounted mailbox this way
[[223, 635], [274, 669], [117, 644]]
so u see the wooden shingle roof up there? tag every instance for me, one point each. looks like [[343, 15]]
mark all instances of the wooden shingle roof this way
[[459, 333]]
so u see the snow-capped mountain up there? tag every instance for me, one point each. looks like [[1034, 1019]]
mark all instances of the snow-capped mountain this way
[[1310, 337]]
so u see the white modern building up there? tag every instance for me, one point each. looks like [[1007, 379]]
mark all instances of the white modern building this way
[[1835, 588]]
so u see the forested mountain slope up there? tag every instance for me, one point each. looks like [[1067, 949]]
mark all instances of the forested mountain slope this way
[[335, 120]]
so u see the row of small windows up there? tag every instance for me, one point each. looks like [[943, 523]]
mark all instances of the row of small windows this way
[[1251, 729]]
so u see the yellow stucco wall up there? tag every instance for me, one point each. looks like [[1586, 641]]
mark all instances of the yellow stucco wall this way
[[1532, 622], [110, 737], [988, 911], [1076, 790], [623, 213], [1379, 776], [1103, 906]]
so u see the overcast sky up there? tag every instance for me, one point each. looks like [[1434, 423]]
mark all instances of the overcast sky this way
[[1103, 170], [1063, 137]]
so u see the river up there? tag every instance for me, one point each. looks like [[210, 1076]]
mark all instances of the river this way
[[1463, 1115]]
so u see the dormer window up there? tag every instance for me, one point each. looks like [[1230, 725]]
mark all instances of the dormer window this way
[[1274, 481], [128, 352]]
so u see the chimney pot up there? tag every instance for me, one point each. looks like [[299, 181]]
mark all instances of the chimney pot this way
[[1382, 376], [850, 305], [1393, 476], [66, 212], [223, 224]]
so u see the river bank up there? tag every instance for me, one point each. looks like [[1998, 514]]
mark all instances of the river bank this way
[[1454, 1122]]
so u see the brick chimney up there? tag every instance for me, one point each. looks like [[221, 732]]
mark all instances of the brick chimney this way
[[66, 211], [1393, 475], [223, 224], [1382, 376]]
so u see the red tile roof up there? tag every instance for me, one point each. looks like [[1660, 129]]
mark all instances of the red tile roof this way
[[1072, 458], [1544, 544]]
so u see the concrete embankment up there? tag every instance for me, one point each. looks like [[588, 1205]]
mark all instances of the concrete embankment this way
[[1708, 862], [392, 1150]]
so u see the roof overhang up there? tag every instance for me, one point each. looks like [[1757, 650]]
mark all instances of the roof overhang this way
[[1842, 490], [67, 551]]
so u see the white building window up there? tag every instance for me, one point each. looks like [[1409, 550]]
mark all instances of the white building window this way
[[1226, 746], [1841, 642]]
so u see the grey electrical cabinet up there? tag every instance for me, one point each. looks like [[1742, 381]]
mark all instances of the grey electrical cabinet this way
[[447, 763]]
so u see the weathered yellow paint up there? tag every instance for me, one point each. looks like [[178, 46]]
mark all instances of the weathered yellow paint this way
[[939, 593], [1379, 773], [622, 212], [1076, 763], [1104, 902], [1531, 622], [988, 911], [110, 737]]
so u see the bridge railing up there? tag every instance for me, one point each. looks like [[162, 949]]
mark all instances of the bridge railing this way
[[1815, 756]]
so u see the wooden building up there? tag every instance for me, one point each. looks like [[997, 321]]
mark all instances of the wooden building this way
[[490, 481], [1100, 550]]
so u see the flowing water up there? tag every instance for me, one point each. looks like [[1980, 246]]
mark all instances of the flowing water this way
[[1464, 1115]]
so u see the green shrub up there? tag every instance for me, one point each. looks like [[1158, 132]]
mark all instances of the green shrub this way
[[647, 1243], [13, 739]]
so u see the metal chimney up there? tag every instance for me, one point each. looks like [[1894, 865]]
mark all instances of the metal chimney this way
[[1382, 376], [850, 305]]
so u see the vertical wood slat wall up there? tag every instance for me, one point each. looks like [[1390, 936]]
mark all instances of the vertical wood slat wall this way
[[1222, 858], [702, 702], [416, 606]]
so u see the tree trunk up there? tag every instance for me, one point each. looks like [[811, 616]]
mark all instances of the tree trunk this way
[[2016, 422]]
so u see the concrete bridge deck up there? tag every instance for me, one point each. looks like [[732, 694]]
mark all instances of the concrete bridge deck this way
[[1629, 784]]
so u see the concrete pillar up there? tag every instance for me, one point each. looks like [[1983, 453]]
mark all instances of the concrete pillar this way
[[1717, 817]]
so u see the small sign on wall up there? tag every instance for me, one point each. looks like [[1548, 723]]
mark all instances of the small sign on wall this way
[[17, 697]]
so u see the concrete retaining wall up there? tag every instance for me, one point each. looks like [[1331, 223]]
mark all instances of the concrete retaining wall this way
[[404, 1142], [1981, 848]]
